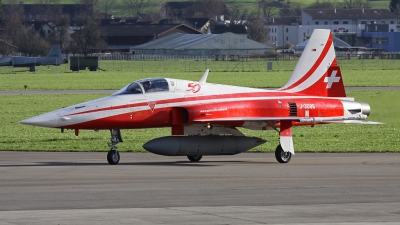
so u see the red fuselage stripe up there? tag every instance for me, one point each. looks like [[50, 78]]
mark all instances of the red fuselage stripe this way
[[196, 98]]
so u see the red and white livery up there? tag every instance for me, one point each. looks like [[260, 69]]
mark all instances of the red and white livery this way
[[204, 117]]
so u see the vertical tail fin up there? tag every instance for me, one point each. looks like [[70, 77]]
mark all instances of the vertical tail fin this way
[[55, 51], [317, 72]]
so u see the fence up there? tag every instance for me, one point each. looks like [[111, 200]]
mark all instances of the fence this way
[[231, 63]]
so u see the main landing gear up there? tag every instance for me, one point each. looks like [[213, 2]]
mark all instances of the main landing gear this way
[[282, 156], [113, 155]]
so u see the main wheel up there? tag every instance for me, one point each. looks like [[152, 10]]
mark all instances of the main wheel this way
[[282, 156], [113, 157], [194, 158]]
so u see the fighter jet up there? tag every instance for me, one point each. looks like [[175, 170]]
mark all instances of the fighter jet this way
[[54, 57], [204, 117]]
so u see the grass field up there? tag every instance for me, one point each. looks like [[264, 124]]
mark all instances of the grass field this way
[[326, 138], [120, 72], [250, 5], [330, 138]]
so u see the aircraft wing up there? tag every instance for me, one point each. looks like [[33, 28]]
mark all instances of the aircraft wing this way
[[357, 119]]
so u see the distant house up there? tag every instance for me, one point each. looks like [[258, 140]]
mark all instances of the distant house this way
[[201, 24], [283, 31], [42, 28], [120, 38], [145, 17]]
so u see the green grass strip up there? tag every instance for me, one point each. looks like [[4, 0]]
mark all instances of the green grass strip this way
[[325, 138]]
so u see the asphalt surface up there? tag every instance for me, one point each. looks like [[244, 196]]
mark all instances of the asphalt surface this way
[[249, 188]]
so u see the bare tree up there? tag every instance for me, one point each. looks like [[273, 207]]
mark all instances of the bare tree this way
[[13, 24], [135, 7], [1, 10], [394, 6], [355, 4], [31, 44], [107, 6], [90, 6], [238, 13], [266, 7], [88, 35], [61, 34], [209, 8], [257, 31], [22, 38]]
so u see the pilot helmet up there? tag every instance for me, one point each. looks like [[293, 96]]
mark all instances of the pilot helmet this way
[[146, 83]]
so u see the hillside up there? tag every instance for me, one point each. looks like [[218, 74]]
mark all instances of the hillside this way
[[154, 5]]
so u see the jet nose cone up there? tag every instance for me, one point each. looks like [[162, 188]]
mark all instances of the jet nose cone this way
[[45, 120]]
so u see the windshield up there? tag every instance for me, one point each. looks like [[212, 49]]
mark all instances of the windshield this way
[[150, 85], [133, 88]]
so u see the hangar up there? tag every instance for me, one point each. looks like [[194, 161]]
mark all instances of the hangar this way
[[202, 45]]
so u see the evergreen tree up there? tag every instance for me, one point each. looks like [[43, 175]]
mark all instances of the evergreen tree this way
[[394, 6]]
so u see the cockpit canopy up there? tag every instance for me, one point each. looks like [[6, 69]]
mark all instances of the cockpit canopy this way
[[149, 85]]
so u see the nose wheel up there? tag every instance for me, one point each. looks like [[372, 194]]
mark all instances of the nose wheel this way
[[113, 155]]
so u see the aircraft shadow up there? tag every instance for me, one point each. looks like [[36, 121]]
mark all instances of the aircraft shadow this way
[[170, 164]]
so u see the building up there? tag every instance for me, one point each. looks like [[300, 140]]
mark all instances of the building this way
[[284, 31], [121, 37], [226, 44], [346, 24], [222, 28], [379, 36]]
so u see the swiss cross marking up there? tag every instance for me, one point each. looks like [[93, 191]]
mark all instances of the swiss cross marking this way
[[332, 79]]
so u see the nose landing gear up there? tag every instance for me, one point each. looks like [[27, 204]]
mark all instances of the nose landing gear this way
[[113, 155]]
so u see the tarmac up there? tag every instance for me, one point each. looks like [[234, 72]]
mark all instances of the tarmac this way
[[249, 188]]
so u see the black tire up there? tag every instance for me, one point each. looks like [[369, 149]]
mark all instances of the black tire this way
[[194, 158], [281, 156], [113, 157]]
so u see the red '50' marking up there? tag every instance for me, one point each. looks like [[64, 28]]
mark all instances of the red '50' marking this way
[[193, 87]]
